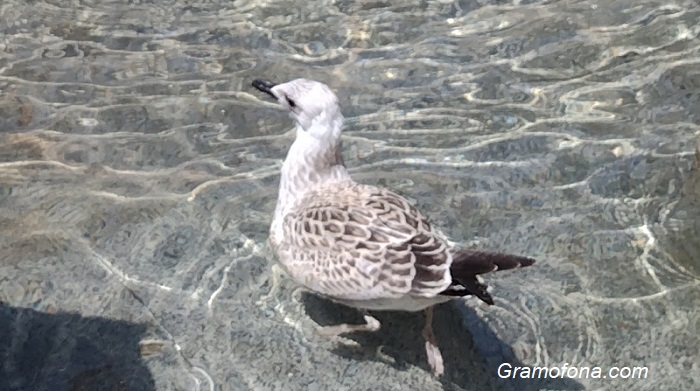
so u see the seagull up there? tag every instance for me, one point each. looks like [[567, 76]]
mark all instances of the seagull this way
[[359, 245]]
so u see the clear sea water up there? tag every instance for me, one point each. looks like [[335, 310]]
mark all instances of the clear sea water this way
[[138, 173]]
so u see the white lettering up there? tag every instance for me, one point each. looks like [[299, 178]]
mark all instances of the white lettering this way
[[614, 369], [624, 374], [637, 372], [525, 372], [551, 372], [583, 370], [507, 370], [540, 372], [504, 370]]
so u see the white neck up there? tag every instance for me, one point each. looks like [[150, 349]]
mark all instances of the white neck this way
[[315, 158]]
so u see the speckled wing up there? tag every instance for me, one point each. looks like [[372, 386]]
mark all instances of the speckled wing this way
[[359, 242]]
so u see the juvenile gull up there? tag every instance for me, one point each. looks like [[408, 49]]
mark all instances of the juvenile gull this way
[[360, 245]]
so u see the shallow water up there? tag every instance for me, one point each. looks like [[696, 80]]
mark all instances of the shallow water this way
[[139, 169]]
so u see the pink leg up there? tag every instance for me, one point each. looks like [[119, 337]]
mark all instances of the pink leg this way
[[371, 325], [431, 346]]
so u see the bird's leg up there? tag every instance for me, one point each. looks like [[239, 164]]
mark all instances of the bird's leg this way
[[277, 273], [371, 325], [431, 346]]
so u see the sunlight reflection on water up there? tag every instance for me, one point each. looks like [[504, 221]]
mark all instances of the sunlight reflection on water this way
[[138, 175]]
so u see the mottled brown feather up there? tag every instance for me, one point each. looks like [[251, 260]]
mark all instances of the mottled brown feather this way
[[390, 257]]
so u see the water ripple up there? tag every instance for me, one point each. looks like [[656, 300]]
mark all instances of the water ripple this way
[[138, 174]]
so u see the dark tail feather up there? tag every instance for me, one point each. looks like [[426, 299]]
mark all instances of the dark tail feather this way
[[466, 265]]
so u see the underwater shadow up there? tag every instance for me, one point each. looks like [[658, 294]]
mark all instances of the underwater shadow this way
[[66, 351], [468, 365]]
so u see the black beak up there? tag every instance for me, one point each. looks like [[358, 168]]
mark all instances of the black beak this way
[[264, 86]]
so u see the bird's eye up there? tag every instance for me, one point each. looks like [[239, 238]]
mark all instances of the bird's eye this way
[[290, 102]]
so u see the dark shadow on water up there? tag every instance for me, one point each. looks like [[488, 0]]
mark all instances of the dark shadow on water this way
[[468, 365], [65, 351]]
